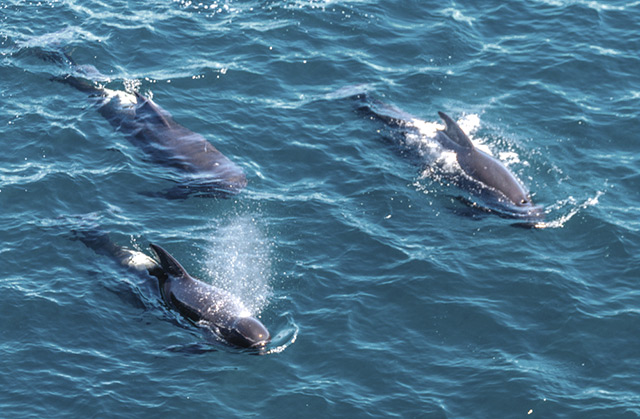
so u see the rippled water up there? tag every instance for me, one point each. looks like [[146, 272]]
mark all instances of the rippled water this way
[[384, 293]]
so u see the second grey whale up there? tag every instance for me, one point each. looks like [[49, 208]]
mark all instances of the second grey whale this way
[[484, 176]]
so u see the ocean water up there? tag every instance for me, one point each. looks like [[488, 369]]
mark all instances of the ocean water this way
[[386, 296]]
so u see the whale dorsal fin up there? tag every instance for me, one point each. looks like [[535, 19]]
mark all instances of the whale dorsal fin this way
[[153, 110], [169, 264], [454, 132]]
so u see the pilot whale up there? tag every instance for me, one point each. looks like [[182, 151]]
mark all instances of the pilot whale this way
[[203, 170], [483, 175], [216, 311], [209, 306]]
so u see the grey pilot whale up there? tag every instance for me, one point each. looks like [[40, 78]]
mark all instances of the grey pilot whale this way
[[203, 170], [218, 313], [482, 175]]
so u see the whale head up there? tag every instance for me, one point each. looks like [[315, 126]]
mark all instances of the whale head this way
[[247, 332], [528, 214], [524, 207]]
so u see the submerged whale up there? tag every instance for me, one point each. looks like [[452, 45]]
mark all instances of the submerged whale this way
[[204, 170], [484, 176], [216, 311]]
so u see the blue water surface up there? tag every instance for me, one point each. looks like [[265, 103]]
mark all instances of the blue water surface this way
[[386, 296]]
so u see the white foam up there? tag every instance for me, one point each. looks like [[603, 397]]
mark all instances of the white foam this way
[[469, 123], [509, 157], [139, 261], [426, 128], [575, 208], [458, 16], [449, 161], [292, 332], [125, 98]]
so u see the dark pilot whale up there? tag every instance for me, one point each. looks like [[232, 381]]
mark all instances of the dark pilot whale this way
[[203, 170], [209, 306], [219, 313], [483, 175]]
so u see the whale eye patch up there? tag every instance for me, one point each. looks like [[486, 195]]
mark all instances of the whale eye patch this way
[[524, 201]]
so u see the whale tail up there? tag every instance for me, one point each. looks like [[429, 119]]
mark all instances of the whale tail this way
[[170, 265]]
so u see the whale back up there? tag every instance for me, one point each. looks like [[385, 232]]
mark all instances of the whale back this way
[[484, 168], [492, 173]]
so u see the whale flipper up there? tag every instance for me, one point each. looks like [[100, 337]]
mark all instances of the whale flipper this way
[[168, 262]]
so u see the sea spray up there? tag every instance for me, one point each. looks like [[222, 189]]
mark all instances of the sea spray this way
[[238, 260]]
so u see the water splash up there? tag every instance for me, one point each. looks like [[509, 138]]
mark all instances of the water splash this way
[[239, 261], [574, 208], [286, 337]]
